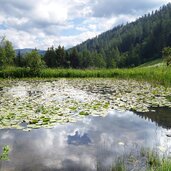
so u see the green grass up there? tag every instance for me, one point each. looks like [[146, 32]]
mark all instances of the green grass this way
[[14, 72], [156, 74], [159, 75], [153, 63], [119, 166], [154, 162]]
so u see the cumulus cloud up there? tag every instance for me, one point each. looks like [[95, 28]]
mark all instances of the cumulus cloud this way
[[43, 23]]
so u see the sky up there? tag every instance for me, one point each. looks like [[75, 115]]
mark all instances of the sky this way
[[43, 23]]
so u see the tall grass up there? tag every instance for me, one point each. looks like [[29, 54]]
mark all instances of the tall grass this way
[[13, 72], [159, 75], [153, 162]]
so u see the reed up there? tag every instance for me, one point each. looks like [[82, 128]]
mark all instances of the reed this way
[[157, 75]]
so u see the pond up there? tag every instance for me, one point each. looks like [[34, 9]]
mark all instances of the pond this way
[[81, 124]]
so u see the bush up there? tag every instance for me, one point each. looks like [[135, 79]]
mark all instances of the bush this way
[[34, 62], [166, 53]]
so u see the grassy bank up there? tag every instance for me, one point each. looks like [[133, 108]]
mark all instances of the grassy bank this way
[[159, 74]]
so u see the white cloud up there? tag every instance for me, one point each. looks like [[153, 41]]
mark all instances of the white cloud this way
[[51, 12], [43, 23], [15, 21]]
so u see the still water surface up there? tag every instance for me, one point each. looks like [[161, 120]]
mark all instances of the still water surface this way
[[84, 144]]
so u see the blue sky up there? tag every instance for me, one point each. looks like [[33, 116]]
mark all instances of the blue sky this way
[[43, 23]]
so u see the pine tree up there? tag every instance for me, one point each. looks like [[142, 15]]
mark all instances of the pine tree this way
[[74, 59]]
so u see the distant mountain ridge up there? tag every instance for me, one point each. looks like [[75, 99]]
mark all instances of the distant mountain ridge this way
[[134, 43], [27, 50]]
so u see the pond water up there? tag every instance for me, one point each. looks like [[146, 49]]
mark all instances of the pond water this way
[[82, 142]]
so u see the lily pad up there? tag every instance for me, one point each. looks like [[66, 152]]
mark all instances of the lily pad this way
[[47, 103]]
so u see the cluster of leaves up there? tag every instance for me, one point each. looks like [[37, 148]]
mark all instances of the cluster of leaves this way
[[5, 153]]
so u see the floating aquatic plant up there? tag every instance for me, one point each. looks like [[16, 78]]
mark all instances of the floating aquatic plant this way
[[46, 103], [5, 153]]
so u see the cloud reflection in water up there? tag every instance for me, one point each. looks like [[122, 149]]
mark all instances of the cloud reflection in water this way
[[81, 145]]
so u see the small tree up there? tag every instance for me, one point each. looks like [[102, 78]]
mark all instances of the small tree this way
[[166, 54], [7, 52], [34, 62], [2, 56]]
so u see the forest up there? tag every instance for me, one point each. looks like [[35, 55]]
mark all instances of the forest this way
[[134, 43]]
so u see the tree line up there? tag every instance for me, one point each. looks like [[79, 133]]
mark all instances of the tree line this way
[[58, 57]]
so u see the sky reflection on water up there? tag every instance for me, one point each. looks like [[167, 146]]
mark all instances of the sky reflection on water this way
[[81, 145]]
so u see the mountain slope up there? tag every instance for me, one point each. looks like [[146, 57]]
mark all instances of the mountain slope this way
[[134, 43], [27, 50]]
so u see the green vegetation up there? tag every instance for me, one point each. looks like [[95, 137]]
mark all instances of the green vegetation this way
[[119, 166], [58, 57], [5, 153], [31, 63], [167, 55], [34, 62], [7, 53], [83, 113], [158, 75], [45, 103], [153, 162], [156, 62]]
